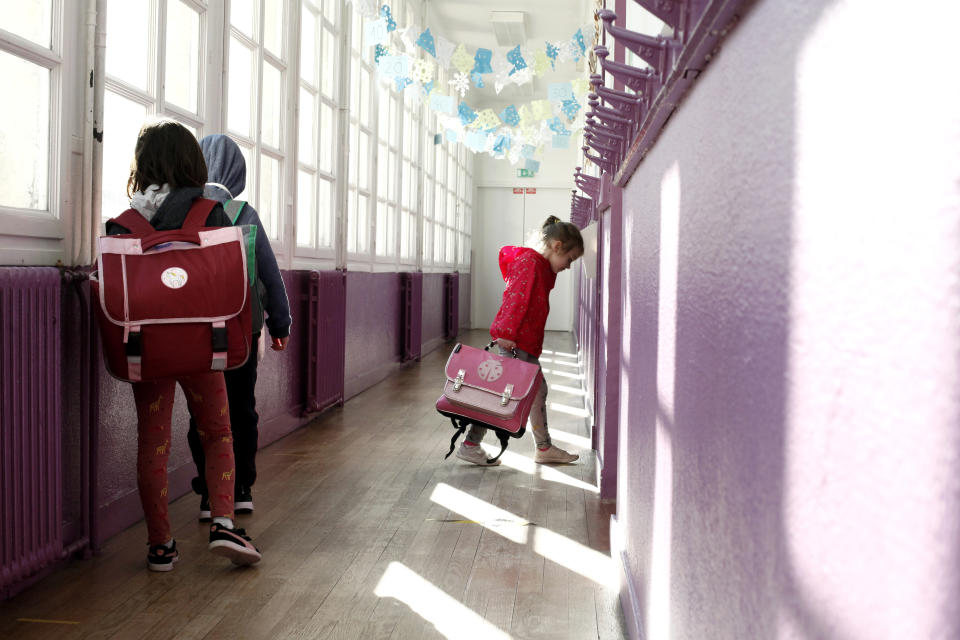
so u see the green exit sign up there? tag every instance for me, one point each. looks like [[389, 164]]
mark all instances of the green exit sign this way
[[525, 173]]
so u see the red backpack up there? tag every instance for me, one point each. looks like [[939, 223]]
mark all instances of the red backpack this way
[[173, 303]]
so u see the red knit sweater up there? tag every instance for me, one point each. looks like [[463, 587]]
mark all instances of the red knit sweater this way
[[526, 300]]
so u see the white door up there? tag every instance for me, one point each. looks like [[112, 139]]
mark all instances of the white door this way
[[503, 217]]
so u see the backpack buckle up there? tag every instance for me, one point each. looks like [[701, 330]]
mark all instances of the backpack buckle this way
[[459, 380], [505, 396]]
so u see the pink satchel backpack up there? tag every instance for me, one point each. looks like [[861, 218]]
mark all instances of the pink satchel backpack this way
[[488, 390]]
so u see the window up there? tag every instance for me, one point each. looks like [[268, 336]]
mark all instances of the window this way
[[359, 189], [317, 134], [254, 101], [157, 41]]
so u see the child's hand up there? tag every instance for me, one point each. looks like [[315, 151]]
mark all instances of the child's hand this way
[[279, 344], [503, 343]]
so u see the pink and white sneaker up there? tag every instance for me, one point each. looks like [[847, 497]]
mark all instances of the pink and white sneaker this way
[[234, 544]]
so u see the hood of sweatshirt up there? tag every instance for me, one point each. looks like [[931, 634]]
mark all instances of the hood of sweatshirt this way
[[509, 255], [226, 168]]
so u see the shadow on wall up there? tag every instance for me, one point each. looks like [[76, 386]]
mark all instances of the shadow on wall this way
[[707, 289]]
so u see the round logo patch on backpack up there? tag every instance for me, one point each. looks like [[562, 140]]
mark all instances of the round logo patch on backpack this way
[[490, 370], [174, 277]]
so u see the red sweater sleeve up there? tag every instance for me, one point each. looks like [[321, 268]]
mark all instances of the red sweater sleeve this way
[[521, 278]]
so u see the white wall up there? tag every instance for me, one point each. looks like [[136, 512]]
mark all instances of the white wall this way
[[504, 218]]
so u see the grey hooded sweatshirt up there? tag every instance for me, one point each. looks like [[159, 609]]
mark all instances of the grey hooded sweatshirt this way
[[227, 176]]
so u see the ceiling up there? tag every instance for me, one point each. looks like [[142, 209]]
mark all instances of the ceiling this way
[[468, 22]]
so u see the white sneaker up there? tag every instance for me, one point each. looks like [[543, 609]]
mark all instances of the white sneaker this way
[[476, 455], [554, 455]]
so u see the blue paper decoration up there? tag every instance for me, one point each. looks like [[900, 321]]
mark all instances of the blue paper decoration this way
[[467, 115], [532, 165], [559, 91], [477, 80], [501, 144], [402, 83], [510, 116], [451, 135], [556, 125], [578, 37], [427, 88], [552, 53], [378, 53], [481, 61], [527, 151], [570, 108], [476, 140], [561, 141], [425, 41], [385, 14], [516, 58]]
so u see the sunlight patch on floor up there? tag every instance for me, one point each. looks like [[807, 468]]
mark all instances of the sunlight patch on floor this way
[[573, 411], [524, 464], [579, 558], [564, 374], [557, 548], [449, 616], [483, 513], [571, 390], [571, 438]]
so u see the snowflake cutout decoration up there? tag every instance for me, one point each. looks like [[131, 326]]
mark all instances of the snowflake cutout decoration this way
[[460, 83], [385, 14]]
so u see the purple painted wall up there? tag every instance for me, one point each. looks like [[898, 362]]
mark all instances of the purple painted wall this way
[[373, 329], [608, 346], [464, 300], [433, 313], [790, 388]]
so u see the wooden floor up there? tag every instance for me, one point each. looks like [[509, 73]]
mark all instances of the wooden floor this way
[[367, 532]]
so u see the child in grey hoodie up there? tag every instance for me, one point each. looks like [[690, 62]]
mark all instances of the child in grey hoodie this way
[[227, 173]]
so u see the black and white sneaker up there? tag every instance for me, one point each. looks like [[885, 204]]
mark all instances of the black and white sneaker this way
[[234, 544], [161, 558], [205, 509], [242, 500]]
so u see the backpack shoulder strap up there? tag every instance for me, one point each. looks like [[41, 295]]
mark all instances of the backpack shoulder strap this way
[[199, 211], [136, 223], [233, 209]]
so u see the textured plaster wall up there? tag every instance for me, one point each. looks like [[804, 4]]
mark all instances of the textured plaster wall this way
[[790, 386]]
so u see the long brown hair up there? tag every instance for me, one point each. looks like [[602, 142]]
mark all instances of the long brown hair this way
[[168, 153]]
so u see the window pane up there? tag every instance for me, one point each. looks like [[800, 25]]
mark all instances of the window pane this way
[[306, 210], [406, 227], [427, 204], [352, 220], [270, 116], [439, 196], [29, 19], [383, 162], [451, 246], [451, 210], [405, 185], [325, 213], [330, 10], [183, 56], [247, 154], [269, 208], [124, 119], [392, 177], [243, 15], [327, 140], [24, 132], [364, 161], [353, 154], [364, 96], [126, 57], [240, 89], [328, 64], [363, 225], [273, 27], [427, 241], [308, 46], [437, 243], [307, 147], [382, 234]]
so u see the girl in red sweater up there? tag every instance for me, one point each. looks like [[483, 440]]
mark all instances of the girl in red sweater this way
[[529, 275]]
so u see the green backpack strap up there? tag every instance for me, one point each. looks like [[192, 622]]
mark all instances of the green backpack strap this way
[[233, 209]]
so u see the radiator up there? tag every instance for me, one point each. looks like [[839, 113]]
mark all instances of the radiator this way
[[451, 301], [411, 305], [326, 335], [30, 475]]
